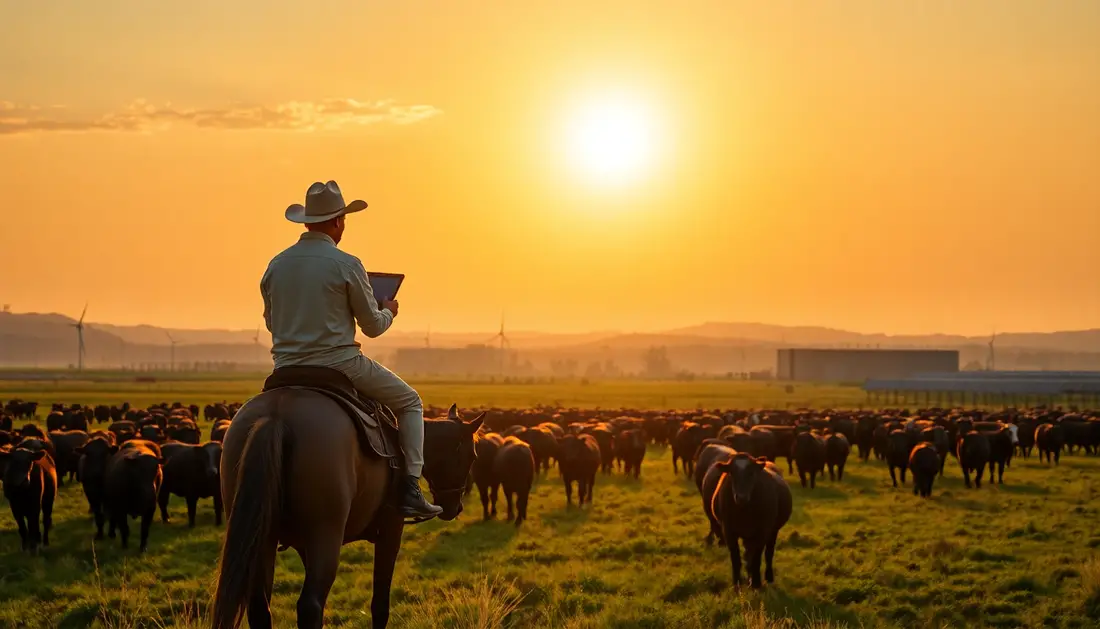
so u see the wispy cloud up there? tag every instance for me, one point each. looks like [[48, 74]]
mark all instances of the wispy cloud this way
[[143, 116]]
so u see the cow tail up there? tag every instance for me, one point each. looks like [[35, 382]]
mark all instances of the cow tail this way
[[249, 537]]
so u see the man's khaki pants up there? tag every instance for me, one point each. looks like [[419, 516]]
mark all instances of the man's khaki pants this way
[[378, 383]]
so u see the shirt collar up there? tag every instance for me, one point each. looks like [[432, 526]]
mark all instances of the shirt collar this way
[[317, 236]]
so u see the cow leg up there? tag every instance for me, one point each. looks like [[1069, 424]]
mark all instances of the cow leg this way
[[192, 507], [568, 493], [508, 497], [162, 500], [978, 476], [813, 479], [802, 477], [495, 490], [753, 554], [483, 493], [97, 513], [219, 509], [385, 558], [21, 523], [47, 517], [903, 470], [893, 476], [769, 555], [521, 506], [146, 522], [591, 486], [832, 475], [124, 529], [840, 471], [321, 559], [735, 556], [674, 468], [966, 476], [1057, 456], [34, 530]]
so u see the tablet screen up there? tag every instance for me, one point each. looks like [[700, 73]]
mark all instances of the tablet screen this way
[[385, 285]]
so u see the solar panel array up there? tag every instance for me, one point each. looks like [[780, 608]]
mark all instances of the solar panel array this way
[[995, 382]]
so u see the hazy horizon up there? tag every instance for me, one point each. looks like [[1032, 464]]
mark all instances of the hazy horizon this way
[[874, 167]]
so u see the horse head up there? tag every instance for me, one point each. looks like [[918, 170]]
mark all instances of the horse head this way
[[448, 456]]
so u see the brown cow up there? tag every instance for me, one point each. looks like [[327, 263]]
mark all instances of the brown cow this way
[[514, 466]]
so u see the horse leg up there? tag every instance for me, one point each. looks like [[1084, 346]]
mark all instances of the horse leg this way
[[385, 557], [321, 560], [259, 602]]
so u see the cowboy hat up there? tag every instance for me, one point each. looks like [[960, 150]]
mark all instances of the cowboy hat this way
[[323, 202]]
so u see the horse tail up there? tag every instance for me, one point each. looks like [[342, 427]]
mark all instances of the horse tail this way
[[250, 529]]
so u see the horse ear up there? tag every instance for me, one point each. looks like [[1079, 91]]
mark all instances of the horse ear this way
[[452, 413], [474, 425]]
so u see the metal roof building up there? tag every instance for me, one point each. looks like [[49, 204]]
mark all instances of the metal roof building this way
[[1042, 384]]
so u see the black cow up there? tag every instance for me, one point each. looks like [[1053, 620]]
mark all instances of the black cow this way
[[1049, 440], [685, 444], [752, 502], [1000, 453], [973, 453], [67, 458], [630, 450], [924, 463], [94, 458], [484, 475], [899, 444], [580, 460], [514, 465], [191, 472], [836, 454], [938, 437], [132, 484], [809, 456], [30, 487]]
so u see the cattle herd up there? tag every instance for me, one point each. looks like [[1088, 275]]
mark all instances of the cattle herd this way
[[131, 461]]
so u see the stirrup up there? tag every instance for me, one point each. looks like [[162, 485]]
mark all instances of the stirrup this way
[[419, 519]]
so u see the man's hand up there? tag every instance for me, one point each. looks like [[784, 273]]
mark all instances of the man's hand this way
[[391, 305]]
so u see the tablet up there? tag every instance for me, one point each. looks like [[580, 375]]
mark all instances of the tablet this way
[[385, 285]]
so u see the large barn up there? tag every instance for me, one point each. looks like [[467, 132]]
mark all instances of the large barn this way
[[857, 365]]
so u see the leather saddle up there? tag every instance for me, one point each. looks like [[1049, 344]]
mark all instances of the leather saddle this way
[[375, 424]]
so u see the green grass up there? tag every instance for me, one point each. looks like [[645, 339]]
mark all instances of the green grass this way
[[857, 553], [603, 394]]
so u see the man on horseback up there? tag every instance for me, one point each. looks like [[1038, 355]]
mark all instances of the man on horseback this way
[[314, 294]]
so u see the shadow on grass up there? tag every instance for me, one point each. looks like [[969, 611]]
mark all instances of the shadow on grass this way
[[821, 492], [464, 549], [1029, 490]]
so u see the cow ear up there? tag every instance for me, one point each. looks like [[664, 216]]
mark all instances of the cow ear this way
[[474, 425], [723, 466], [452, 413], [762, 461], [113, 449]]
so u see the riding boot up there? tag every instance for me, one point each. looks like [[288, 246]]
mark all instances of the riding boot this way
[[413, 503]]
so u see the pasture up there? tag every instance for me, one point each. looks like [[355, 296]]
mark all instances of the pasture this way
[[855, 553]]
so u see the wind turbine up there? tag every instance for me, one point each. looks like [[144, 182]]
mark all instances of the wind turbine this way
[[428, 337], [991, 363], [256, 342], [173, 354], [503, 342], [79, 325]]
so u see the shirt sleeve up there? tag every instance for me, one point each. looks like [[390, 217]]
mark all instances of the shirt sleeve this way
[[267, 300], [372, 321]]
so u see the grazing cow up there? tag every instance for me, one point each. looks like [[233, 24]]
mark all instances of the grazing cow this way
[[764, 443], [1025, 436], [30, 487], [630, 450], [809, 457], [544, 446], [184, 431], [924, 463], [605, 439], [1049, 440], [484, 476], [218, 430], [881, 441], [899, 444], [1000, 452], [684, 446], [31, 431], [55, 421], [132, 484], [938, 437], [67, 459], [836, 454], [94, 458], [191, 472], [553, 429], [152, 432], [123, 431], [711, 452], [5, 422], [865, 437], [102, 414], [973, 454], [580, 460], [514, 465], [752, 502]]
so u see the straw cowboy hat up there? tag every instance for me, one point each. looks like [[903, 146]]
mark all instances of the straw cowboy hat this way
[[323, 202]]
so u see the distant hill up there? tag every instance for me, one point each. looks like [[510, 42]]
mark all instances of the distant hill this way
[[49, 340]]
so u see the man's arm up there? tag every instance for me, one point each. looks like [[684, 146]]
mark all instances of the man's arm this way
[[372, 321], [267, 300]]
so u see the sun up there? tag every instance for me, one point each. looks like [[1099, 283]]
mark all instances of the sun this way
[[611, 140]]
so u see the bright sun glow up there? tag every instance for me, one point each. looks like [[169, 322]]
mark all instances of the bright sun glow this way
[[612, 141]]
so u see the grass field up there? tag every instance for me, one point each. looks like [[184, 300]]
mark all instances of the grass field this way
[[856, 553], [603, 394]]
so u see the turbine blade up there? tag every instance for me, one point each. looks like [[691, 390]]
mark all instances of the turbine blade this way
[[84, 312]]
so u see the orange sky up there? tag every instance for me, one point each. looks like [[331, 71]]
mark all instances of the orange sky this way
[[875, 165]]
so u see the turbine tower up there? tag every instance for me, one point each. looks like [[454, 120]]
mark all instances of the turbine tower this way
[[79, 325], [991, 364], [428, 337], [503, 340], [259, 350], [172, 364]]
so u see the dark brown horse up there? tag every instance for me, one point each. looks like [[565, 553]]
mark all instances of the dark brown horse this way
[[293, 475]]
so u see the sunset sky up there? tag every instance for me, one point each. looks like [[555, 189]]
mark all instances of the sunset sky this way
[[874, 165]]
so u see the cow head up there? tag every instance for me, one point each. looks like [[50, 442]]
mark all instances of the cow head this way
[[743, 472], [18, 464]]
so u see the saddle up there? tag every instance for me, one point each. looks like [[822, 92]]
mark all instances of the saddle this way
[[375, 424]]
